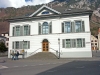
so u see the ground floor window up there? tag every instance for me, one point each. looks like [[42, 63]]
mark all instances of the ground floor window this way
[[73, 43], [21, 45]]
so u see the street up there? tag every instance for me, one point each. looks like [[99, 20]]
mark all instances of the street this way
[[77, 66]]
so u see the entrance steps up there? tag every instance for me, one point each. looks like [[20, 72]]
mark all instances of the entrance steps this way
[[43, 55]]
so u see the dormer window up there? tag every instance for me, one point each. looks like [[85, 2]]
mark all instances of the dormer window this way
[[45, 12]]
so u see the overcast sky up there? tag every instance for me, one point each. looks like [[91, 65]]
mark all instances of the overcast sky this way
[[20, 3]]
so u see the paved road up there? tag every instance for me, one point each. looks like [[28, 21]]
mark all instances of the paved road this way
[[51, 67], [85, 66]]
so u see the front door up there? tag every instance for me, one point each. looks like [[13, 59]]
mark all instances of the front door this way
[[45, 46]]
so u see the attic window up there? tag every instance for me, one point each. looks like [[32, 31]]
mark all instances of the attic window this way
[[45, 12]]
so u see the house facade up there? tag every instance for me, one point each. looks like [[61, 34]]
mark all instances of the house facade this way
[[64, 32], [94, 43], [7, 38]]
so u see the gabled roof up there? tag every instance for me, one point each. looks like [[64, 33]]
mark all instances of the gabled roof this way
[[58, 12], [64, 10], [44, 6]]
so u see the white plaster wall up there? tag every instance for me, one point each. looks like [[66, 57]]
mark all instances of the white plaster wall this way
[[36, 40]]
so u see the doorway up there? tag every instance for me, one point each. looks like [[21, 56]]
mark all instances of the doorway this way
[[45, 45]]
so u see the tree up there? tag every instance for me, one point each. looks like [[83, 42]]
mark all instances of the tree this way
[[3, 48]]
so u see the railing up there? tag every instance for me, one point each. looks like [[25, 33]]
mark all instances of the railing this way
[[34, 51], [56, 52], [49, 48]]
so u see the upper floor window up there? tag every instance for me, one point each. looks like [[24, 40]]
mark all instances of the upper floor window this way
[[21, 30], [17, 31], [26, 30], [67, 27], [77, 26], [45, 28]]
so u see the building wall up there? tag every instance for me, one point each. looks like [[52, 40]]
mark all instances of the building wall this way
[[7, 39], [36, 40], [94, 43]]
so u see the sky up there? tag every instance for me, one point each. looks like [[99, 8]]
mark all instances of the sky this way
[[20, 3]]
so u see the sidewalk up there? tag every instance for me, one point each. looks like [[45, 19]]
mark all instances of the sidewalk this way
[[96, 56]]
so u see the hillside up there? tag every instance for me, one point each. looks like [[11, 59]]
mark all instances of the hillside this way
[[11, 12]]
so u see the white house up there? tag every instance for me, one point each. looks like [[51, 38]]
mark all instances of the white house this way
[[66, 31]]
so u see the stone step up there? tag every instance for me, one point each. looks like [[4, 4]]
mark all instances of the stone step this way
[[43, 55]]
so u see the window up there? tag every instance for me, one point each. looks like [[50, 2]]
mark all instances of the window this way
[[21, 45], [17, 45], [79, 26], [45, 28], [68, 43], [73, 43], [7, 44], [45, 12], [17, 31], [95, 43], [92, 41], [67, 27], [26, 45], [95, 40], [26, 30], [21, 30], [79, 42]]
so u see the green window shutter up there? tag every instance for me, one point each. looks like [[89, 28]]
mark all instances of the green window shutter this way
[[50, 27], [73, 43], [73, 27], [21, 30], [21, 44], [83, 42], [83, 26], [28, 44], [29, 29], [63, 43], [13, 45], [63, 27], [39, 30], [13, 34]]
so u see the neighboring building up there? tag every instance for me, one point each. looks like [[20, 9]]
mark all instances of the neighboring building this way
[[50, 30], [7, 38], [3, 39], [94, 43], [99, 38]]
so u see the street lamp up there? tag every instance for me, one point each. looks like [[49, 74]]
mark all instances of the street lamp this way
[[59, 47]]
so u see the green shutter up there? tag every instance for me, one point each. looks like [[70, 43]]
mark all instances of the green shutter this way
[[83, 26], [63, 43], [72, 27], [21, 44], [13, 45], [39, 30], [63, 27], [28, 44], [21, 30], [83, 42], [29, 29], [13, 31], [73, 43], [50, 27]]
